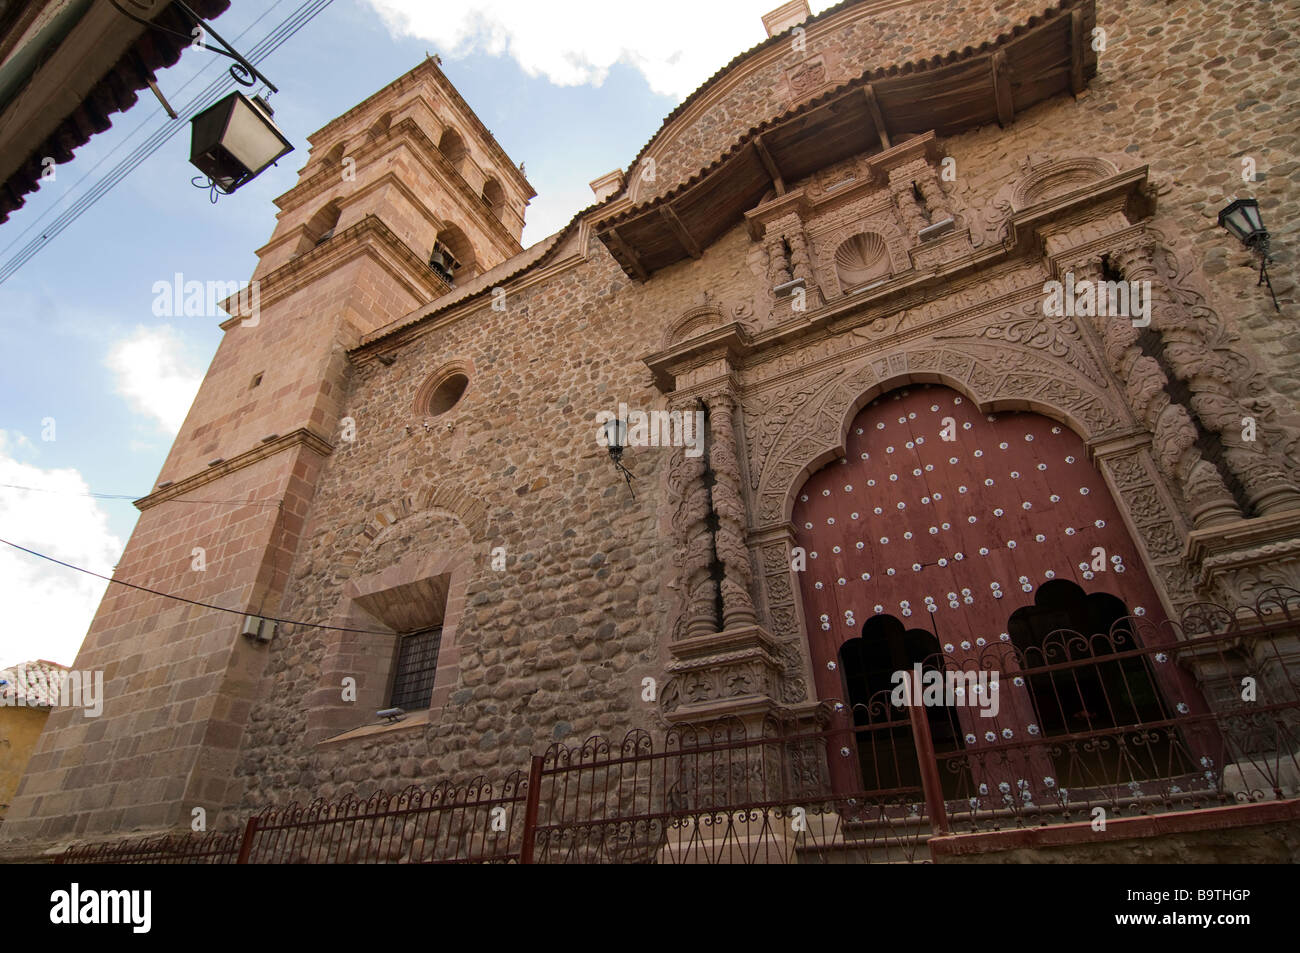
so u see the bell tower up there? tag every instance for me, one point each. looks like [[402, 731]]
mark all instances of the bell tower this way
[[404, 198]]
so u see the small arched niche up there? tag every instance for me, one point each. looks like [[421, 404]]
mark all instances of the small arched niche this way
[[861, 260], [1053, 179], [453, 256], [334, 156], [320, 227], [380, 125]]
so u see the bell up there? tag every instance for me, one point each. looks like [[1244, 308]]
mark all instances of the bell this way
[[440, 262]]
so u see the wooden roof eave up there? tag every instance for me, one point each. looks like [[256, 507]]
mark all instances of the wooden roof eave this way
[[866, 114]]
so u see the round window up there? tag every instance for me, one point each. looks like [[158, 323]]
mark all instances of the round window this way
[[446, 394]]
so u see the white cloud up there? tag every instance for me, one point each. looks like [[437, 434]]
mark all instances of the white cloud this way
[[154, 375], [676, 44], [49, 608]]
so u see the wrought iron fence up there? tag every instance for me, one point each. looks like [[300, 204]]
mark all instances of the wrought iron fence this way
[[1142, 718], [735, 791], [478, 822]]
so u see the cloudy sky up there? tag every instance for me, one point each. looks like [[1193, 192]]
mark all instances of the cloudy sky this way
[[94, 386]]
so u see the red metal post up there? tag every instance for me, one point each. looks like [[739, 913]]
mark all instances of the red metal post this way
[[929, 765], [530, 808], [246, 845]]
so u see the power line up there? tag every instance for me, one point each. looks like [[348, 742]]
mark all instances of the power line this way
[[303, 15], [139, 496], [204, 605]]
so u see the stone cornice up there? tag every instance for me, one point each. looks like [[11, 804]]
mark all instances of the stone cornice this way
[[847, 312], [1244, 542], [301, 437], [369, 237], [388, 179]]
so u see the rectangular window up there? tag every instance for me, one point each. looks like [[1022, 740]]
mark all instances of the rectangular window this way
[[417, 660]]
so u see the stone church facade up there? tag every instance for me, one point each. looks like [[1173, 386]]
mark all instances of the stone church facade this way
[[836, 248]]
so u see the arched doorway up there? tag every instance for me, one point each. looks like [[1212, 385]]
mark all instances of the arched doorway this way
[[951, 520]]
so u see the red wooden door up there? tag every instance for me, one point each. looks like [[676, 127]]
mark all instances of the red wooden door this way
[[952, 536]]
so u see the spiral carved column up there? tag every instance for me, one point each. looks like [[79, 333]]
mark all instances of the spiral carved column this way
[[900, 184], [694, 542], [778, 264], [729, 506], [935, 198], [1174, 444], [1218, 396]]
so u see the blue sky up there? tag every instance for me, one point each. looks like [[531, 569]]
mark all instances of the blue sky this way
[[573, 89]]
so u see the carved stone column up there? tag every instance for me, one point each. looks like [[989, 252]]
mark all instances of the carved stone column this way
[[935, 198], [778, 263], [1174, 445], [728, 667], [694, 541], [900, 184], [1218, 395], [800, 261], [729, 506]]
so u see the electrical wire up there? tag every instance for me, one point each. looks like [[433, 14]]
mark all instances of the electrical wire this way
[[134, 132], [303, 15], [193, 602], [140, 496]]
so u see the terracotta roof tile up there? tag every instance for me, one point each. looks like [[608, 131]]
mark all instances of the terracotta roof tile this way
[[32, 684]]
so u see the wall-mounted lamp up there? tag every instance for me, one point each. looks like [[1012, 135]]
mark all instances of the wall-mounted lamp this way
[[1243, 220], [616, 441]]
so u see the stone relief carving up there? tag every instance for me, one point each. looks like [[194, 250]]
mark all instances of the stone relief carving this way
[[884, 229], [1027, 327], [707, 317], [1225, 385], [1047, 180]]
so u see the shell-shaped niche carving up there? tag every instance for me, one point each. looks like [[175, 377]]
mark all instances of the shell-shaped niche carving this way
[[860, 259]]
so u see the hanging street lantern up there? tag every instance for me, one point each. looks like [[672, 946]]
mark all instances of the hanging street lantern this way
[[1242, 219], [615, 438], [233, 141]]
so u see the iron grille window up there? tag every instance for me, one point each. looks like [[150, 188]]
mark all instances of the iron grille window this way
[[417, 660]]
